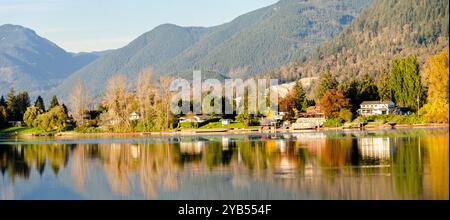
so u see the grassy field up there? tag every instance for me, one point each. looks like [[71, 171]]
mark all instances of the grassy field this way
[[21, 130]]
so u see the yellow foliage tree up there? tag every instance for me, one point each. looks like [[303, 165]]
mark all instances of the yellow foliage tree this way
[[436, 71]]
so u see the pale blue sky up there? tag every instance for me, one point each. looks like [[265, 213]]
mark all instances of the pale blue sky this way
[[93, 25]]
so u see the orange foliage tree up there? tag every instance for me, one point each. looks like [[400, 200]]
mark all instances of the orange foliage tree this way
[[333, 102]]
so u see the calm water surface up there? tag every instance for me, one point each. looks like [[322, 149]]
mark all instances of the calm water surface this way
[[397, 164]]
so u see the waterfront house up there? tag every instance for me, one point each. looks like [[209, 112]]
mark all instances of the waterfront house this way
[[195, 119], [134, 116], [377, 108], [227, 121]]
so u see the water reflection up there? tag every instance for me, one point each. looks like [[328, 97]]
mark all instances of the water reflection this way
[[298, 166]]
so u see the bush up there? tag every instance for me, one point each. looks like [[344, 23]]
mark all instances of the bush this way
[[346, 115], [333, 122]]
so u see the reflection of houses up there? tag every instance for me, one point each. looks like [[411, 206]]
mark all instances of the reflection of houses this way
[[192, 148], [377, 108], [375, 148]]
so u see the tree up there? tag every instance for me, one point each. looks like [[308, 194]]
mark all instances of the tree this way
[[346, 115], [53, 120], [2, 101], [120, 104], [39, 103], [367, 90], [23, 102], [437, 108], [11, 104], [305, 105], [299, 94], [147, 99], [332, 103], [78, 103], [3, 116], [405, 83], [31, 115], [53, 103], [327, 82], [384, 90]]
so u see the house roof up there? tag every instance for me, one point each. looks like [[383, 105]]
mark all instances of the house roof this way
[[375, 102]]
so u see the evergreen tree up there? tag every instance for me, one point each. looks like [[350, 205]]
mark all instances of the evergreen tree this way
[[299, 94], [384, 90], [2, 101], [327, 82], [11, 104], [23, 102], [54, 102], [305, 105], [367, 90], [405, 84], [39, 103]]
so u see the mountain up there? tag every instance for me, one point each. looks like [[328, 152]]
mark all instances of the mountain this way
[[385, 30], [32, 63], [257, 41]]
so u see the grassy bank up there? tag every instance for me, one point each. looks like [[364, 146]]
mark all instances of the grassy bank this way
[[21, 130]]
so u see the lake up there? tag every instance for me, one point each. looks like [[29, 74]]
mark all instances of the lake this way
[[411, 164]]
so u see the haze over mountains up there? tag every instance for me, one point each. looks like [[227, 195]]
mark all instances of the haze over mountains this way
[[257, 41], [32, 63]]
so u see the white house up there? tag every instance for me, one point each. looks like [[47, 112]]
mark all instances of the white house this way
[[227, 121], [134, 116], [194, 119], [377, 108]]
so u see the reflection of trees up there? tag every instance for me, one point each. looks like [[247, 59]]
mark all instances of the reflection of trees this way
[[326, 167], [18, 160], [408, 167], [437, 156]]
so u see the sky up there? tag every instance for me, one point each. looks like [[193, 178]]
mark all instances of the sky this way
[[97, 25]]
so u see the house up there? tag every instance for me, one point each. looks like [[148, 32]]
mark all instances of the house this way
[[227, 121], [134, 116], [313, 112], [195, 119], [377, 108]]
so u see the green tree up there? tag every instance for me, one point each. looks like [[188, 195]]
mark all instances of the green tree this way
[[305, 105], [2, 101], [54, 102], [54, 120], [39, 103], [405, 83], [299, 94], [11, 104], [327, 82], [367, 90], [3, 117], [346, 115], [384, 90], [31, 114]]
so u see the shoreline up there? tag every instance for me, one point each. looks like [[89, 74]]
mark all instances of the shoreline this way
[[204, 132]]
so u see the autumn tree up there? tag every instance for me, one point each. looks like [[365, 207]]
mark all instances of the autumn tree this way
[[78, 103], [120, 104], [437, 73], [147, 99], [333, 102]]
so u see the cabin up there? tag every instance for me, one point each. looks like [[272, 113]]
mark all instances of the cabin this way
[[369, 108], [195, 119], [227, 121], [135, 116]]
